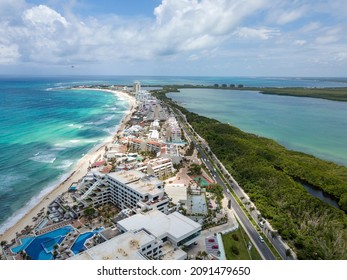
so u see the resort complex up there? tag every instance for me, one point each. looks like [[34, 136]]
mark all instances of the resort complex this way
[[144, 197], [158, 191]]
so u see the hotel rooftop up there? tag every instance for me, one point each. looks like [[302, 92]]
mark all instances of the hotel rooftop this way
[[147, 185], [159, 224], [123, 247], [126, 177]]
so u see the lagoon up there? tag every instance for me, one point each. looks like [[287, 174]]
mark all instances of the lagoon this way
[[309, 125]]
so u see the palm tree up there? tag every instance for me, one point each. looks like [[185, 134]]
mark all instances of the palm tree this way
[[204, 255], [3, 243]]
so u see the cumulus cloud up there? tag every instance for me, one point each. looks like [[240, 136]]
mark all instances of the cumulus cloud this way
[[178, 29], [194, 25], [43, 16], [179, 26]]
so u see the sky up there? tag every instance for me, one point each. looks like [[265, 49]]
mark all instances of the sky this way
[[300, 38]]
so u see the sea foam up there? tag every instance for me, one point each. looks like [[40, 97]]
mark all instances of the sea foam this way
[[44, 158]]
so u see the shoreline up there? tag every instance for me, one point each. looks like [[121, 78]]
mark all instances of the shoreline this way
[[78, 171]]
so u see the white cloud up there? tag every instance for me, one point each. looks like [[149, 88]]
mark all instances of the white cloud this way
[[9, 54], [178, 31], [300, 42], [179, 26], [10, 10], [312, 26], [257, 33], [194, 25], [43, 16], [331, 35], [290, 16], [341, 56]]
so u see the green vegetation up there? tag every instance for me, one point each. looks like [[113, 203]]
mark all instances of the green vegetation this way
[[269, 174], [217, 190], [235, 246], [89, 212], [195, 169], [336, 94], [190, 149]]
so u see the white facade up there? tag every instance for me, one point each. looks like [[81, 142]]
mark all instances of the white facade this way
[[133, 189], [143, 96], [154, 134], [137, 87], [160, 167], [130, 189], [174, 228], [132, 245], [174, 133], [155, 124]]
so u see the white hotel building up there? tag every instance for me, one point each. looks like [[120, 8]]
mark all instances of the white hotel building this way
[[133, 189], [127, 190], [160, 167], [151, 235]]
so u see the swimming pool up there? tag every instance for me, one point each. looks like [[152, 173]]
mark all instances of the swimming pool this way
[[24, 243], [78, 246], [41, 247]]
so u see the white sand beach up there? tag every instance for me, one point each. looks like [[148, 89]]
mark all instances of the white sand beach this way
[[79, 170]]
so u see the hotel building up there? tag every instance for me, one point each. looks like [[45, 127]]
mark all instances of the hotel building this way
[[151, 235], [160, 167], [127, 190]]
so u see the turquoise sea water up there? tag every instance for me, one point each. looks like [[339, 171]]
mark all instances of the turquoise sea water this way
[[313, 126], [45, 128]]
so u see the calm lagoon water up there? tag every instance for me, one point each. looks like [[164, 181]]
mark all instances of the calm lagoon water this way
[[313, 126]]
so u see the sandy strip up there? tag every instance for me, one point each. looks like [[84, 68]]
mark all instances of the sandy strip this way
[[80, 169]]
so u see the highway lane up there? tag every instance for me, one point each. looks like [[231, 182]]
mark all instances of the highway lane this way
[[243, 219]]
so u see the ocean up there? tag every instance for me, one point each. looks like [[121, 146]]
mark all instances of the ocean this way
[[45, 127]]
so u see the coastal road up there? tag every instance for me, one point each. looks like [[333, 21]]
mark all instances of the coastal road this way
[[242, 217]]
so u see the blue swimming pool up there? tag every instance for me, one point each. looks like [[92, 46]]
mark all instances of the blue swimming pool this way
[[24, 243], [41, 247], [78, 246]]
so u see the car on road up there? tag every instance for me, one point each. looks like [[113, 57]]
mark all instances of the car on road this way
[[261, 239]]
